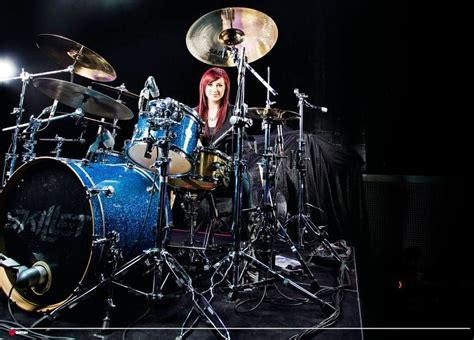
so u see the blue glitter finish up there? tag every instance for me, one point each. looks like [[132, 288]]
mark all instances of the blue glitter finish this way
[[185, 137], [126, 210], [109, 157]]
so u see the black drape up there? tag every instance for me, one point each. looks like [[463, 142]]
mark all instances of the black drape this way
[[333, 184]]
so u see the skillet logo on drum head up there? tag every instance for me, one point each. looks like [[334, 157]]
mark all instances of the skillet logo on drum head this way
[[48, 224]]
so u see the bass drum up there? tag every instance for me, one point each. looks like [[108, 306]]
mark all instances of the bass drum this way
[[61, 214]]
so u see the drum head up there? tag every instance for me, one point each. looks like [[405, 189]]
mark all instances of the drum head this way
[[46, 216]]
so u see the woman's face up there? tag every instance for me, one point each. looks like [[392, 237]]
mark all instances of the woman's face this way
[[215, 90]]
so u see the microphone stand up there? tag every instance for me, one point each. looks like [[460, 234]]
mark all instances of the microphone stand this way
[[304, 223]]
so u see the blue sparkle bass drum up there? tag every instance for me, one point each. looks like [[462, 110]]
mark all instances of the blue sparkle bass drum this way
[[63, 215]]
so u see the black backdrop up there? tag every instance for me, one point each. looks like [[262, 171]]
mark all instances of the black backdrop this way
[[349, 56]]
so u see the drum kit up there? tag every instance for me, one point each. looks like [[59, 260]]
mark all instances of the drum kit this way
[[115, 212]]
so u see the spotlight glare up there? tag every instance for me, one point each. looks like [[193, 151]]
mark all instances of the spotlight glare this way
[[7, 69]]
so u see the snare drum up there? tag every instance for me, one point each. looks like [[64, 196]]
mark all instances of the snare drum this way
[[211, 168], [185, 136]]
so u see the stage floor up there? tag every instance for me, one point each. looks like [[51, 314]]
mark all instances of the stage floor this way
[[275, 316]]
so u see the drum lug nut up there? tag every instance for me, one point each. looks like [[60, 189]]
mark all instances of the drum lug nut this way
[[108, 190]]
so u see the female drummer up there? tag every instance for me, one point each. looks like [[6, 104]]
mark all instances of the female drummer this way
[[214, 107]]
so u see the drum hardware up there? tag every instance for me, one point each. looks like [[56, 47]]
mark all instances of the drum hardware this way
[[270, 226], [11, 156], [119, 90], [60, 141], [304, 223], [33, 126]]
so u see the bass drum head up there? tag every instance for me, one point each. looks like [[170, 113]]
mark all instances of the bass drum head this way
[[45, 215]]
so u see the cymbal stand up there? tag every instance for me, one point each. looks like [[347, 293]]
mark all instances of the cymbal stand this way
[[11, 156], [60, 141], [269, 223], [304, 223]]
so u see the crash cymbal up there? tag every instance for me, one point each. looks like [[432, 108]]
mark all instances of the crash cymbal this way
[[67, 52], [273, 113], [77, 96], [208, 37], [121, 90]]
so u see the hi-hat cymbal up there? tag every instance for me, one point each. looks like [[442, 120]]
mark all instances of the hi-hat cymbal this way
[[65, 52], [121, 90], [77, 96], [208, 37], [273, 113]]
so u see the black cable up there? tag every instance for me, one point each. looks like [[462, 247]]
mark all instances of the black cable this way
[[258, 304], [129, 327], [30, 334]]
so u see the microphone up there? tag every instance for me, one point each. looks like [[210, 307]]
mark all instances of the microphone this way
[[150, 84], [38, 274], [53, 108], [320, 108], [239, 121], [107, 139], [302, 96]]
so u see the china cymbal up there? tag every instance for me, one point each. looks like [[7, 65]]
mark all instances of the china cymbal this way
[[66, 52], [273, 113], [77, 96], [208, 37], [121, 90]]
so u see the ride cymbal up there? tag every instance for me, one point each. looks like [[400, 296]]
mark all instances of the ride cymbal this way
[[208, 37], [66, 52], [273, 113], [77, 96]]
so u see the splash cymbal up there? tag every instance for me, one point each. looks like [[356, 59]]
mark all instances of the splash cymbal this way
[[66, 52], [208, 37], [77, 96], [120, 90], [273, 113]]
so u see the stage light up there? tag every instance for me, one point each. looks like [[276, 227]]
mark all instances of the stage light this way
[[7, 69]]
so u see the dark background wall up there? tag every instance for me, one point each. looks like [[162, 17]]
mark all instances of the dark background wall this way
[[351, 56]]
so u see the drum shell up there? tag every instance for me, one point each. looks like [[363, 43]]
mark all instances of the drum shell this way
[[185, 134], [211, 168], [50, 212]]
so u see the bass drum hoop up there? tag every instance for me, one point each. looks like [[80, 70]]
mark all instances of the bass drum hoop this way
[[5, 282]]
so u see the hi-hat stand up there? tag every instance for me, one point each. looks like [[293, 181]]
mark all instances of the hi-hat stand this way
[[304, 223]]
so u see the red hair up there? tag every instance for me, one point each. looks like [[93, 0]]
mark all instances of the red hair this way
[[208, 77]]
